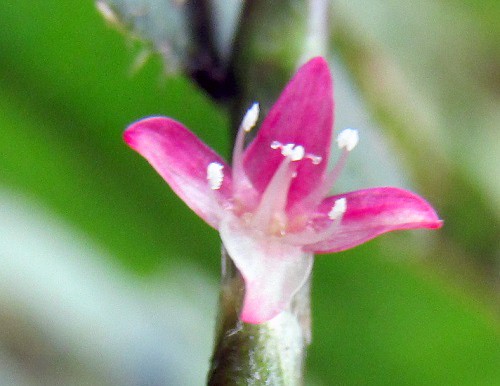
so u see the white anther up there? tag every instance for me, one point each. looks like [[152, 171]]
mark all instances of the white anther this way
[[338, 209], [348, 139], [215, 175], [250, 118]]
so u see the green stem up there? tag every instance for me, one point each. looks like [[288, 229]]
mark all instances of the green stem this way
[[271, 353], [268, 48]]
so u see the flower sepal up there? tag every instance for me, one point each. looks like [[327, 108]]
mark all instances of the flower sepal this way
[[273, 271]]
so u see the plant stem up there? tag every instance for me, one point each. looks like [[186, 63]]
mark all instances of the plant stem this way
[[271, 353]]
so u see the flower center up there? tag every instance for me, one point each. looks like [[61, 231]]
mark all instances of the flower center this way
[[270, 215]]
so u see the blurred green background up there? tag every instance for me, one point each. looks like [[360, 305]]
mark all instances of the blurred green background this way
[[107, 278]]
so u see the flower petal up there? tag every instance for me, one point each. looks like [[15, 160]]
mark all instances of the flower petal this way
[[273, 272], [372, 212], [182, 160], [303, 115]]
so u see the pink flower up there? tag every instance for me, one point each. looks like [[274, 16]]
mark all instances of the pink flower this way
[[272, 207]]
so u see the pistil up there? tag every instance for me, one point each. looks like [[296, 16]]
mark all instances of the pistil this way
[[347, 141], [274, 198], [270, 215]]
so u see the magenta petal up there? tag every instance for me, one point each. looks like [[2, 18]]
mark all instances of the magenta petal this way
[[303, 115], [371, 212], [182, 160]]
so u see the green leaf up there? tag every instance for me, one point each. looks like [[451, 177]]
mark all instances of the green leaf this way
[[64, 108], [381, 321]]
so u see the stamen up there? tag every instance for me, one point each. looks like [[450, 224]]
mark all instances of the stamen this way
[[338, 209], [215, 175], [348, 139], [309, 236], [241, 182], [250, 118]]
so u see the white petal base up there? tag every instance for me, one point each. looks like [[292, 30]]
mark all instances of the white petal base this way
[[273, 271]]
